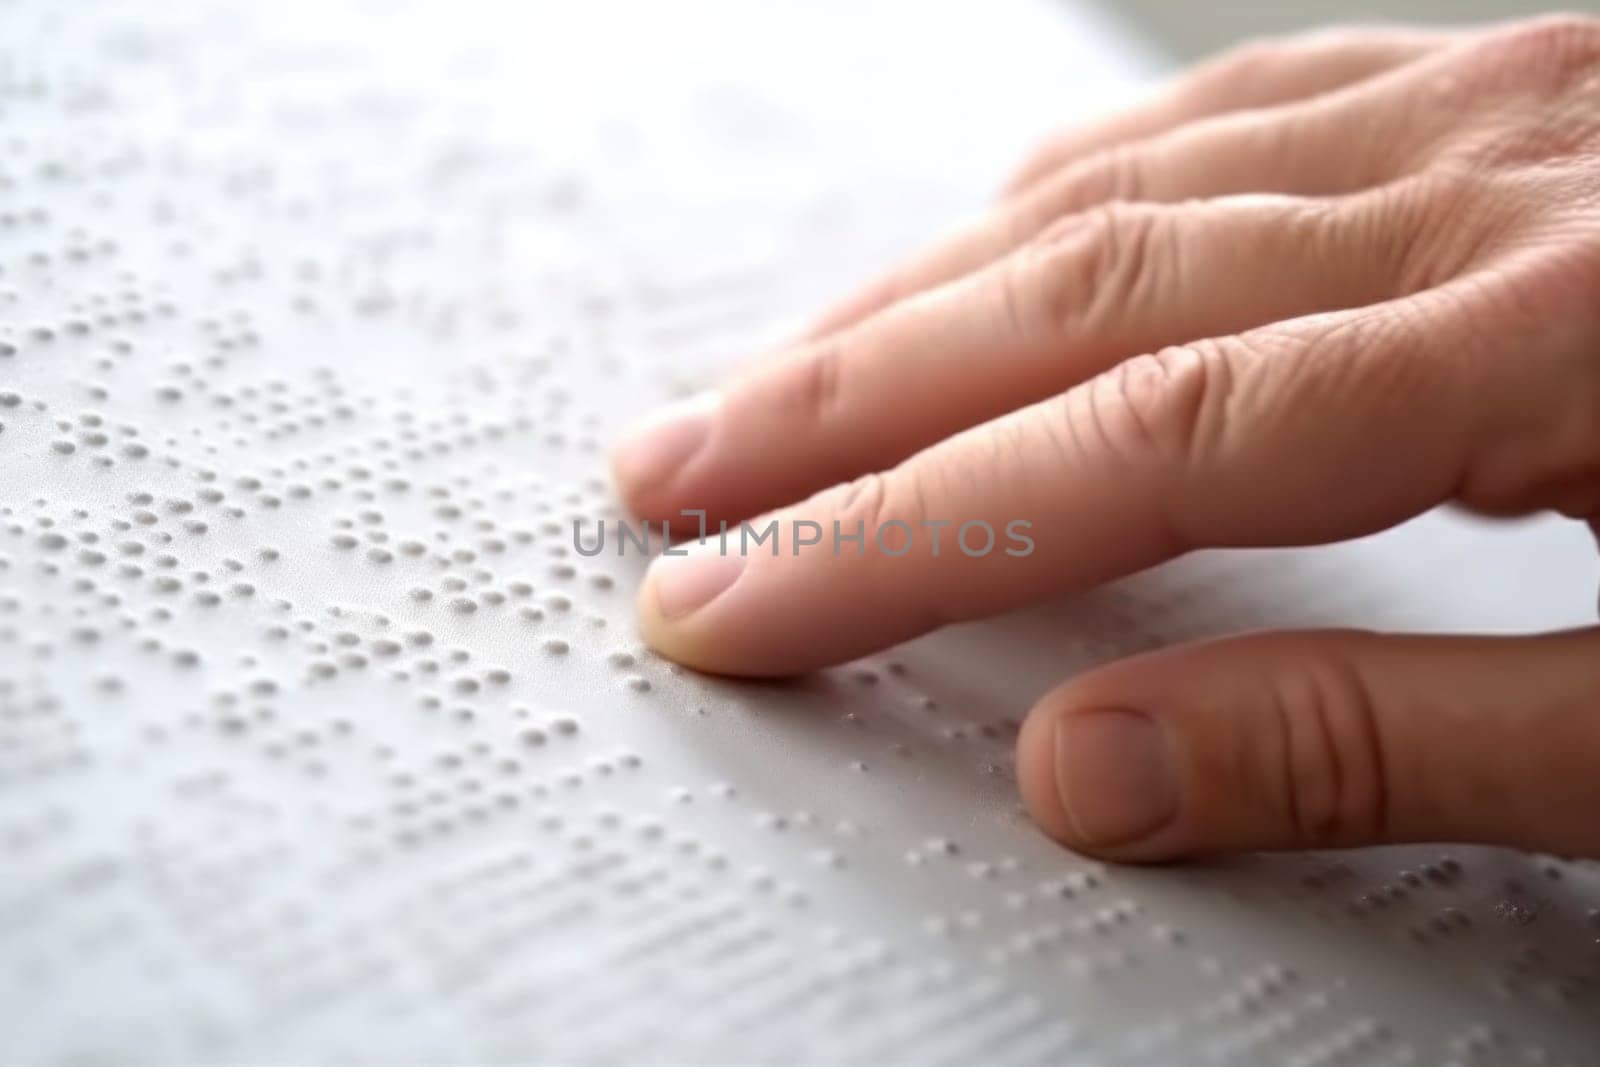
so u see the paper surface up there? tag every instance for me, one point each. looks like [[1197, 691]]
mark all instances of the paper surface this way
[[319, 744]]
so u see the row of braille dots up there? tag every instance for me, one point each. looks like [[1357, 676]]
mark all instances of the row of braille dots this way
[[489, 539], [1266, 1010], [219, 889], [368, 528], [936, 1013], [236, 906], [194, 883], [143, 516], [124, 312], [1483, 1043], [345, 650], [45, 337], [1260, 1013], [650, 831], [469, 913], [23, 830], [1090, 945], [483, 779], [1072, 886], [39, 739], [136, 559], [453, 512], [1447, 874], [48, 248], [90, 555], [1449, 921], [587, 833], [1360, 1042], [400, 442], [318, 404], [1444, 873], [139, 561], [644, 831], [997, 761], [1102, 920], [465, 593], [89, 432], [244, 430], [1001, 733], [989, 870], [330, 653], [1531, 971], [607, 863]]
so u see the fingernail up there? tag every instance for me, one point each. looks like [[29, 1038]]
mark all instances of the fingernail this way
[[1115, 775], [656, 448], [685, 584]]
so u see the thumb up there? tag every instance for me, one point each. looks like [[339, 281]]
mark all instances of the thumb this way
[[1323, 740]]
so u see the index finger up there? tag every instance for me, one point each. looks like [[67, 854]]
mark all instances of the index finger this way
[[1298, 433]]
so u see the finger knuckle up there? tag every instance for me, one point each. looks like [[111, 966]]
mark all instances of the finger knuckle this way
[[886, 509], [1531, 90], [1092, 267], [1410, 229], [1548, 51], [1322, 759], [811, 386], [1560, 38], [1162, 406], [868, 500], [1545, 450], [1111, 175], [1122, 175]]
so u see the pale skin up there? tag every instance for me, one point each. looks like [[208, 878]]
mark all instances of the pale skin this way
[[1304, 292]]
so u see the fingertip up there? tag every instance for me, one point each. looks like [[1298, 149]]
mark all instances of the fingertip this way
[[697, 608], [1036, 776], [651, 454], [676, 590], [657, 632], [1099, 778]]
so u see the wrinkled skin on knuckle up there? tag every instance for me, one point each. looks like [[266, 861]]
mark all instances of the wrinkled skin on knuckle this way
[[814, 387], [1157, 410], [801, 390], [1522, 95], [1335, 780], [864, 500], [1413, 227], [1093, 269], [1549, 53], [876, 502], [875, 499], [1538, 442], [1112, 174]]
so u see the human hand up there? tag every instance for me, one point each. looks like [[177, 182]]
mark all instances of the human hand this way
[[1308, 291]]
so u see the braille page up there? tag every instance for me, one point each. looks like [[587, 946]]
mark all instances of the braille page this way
[[320, 743]]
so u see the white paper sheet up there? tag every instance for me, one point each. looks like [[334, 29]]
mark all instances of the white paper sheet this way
[[318, 744]]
